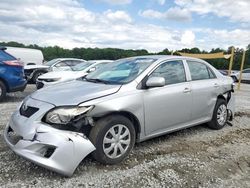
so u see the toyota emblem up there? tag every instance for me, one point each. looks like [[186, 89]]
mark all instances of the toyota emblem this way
[[24, 107]]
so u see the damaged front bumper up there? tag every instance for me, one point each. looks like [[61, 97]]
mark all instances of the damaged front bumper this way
[[57, 150]]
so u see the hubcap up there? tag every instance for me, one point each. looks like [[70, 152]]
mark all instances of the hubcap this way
[[116, 141], [222, 114]]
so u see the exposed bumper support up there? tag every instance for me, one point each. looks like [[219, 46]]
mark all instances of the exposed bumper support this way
[[230, 104]]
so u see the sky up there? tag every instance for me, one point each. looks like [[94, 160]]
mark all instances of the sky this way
[[128, 24]]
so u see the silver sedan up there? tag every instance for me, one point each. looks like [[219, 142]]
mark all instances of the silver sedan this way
[[124, 102]]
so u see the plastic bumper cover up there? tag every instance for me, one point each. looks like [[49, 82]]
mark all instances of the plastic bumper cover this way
[[59, 151]]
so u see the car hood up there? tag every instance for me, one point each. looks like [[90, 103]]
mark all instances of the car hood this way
[[35, 67], [74, 92]]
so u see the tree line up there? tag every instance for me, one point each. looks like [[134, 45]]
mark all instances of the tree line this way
[[52, 52]]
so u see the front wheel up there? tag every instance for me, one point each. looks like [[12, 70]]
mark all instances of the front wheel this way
[[2, 91], [36, 75], [220, 115], [113, 137]]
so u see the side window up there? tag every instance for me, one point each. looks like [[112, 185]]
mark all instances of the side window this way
[[74, 62], [211, 73], [61, 64], [5, 56], [100, 65], [172, 71], [199, 71]]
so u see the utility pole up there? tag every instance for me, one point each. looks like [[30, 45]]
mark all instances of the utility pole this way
[[231, 61], [241, 67]]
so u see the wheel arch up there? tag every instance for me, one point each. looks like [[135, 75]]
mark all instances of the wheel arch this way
[[135, 121], [5, 83], [221, 97]]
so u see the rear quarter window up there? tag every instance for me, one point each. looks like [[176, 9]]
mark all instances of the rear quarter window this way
[[4, 56]]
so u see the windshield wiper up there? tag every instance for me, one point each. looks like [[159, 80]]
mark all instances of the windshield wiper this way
[[96, 80]]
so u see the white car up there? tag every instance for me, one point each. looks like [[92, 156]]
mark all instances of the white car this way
[[32, 72], [245, 75], [77, 71]]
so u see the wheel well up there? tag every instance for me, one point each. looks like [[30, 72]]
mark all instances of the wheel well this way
[[5, 83], [221, 97], [131, 117]]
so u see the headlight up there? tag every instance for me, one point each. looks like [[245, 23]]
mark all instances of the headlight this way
[[51, 79], [64, 115]]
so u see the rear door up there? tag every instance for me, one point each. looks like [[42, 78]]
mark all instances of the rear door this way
[[168, 106], [204, 86]]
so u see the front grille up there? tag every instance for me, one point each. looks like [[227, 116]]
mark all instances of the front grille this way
[[28, 111], [39, 85]]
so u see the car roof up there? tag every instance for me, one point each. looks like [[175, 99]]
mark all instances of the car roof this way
[[60, 59], [100, 61], [168, 57]]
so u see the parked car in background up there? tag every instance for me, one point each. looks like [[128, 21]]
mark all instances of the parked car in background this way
[[245, 75], [128, 101], [32, 72], [11, 74], [28, 56], [77, 71]]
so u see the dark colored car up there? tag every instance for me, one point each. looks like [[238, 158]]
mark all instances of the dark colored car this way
[[11, 74]]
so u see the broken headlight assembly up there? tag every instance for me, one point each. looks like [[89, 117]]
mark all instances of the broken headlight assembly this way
[[66, 115]]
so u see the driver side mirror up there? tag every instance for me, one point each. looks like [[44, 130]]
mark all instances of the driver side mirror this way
[[92, 69], [155, 82]]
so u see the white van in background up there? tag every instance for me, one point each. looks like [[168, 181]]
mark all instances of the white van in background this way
[[27, 55], [33, 61]]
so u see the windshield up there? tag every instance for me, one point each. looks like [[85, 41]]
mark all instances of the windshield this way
[[51, 62], [81, 66], [121, 71]]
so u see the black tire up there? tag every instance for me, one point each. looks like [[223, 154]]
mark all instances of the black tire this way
[[101, 129], [214, 123], [2, 91], [36, 75]]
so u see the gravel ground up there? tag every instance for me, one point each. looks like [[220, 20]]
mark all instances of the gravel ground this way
[[194, 157]]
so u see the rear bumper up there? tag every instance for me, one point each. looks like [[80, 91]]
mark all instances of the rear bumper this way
[[57, 150], [21, 87]]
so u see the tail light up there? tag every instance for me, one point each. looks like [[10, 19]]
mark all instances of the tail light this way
[[13, 63]]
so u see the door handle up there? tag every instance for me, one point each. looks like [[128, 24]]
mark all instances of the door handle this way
[[216, 85], [187, 90]]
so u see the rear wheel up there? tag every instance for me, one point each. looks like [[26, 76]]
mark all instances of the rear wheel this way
[[235, 79], [2, 91], [220, 115], [113, 137]]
